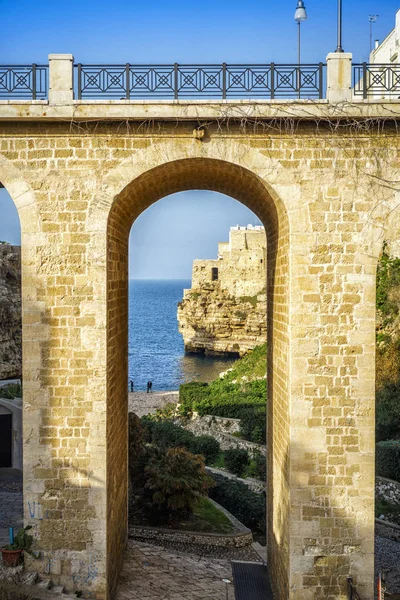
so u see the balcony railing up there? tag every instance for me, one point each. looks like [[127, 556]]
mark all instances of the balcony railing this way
[[23, 82], [63, 82], [376, 80], [133, 82]]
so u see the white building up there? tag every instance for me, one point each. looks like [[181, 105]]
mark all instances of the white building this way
[[388, 51]]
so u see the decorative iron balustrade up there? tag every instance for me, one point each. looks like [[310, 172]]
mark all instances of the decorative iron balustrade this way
[[376, 80], [23, 82], [133, 82]]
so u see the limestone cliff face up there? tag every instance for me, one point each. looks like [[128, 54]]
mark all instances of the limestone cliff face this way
[[10, 312], [213, 322]]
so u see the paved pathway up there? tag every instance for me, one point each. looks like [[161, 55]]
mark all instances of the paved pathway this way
[[154, 573], [143, 403]]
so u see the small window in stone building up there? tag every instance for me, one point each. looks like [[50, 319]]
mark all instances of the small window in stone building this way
[[214, 274], [261, 260]]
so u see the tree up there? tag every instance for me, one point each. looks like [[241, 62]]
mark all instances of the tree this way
[[176, 480]]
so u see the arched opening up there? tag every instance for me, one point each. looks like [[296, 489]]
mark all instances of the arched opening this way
[[248, 188], [10, 367]]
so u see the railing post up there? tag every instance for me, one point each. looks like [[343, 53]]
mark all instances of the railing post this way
[[272, 81], [176, 81], [338, 75], [79, 82], [364, 80], [224, 81], [61, 78], [321, 80], [34, 85], [127, 82]]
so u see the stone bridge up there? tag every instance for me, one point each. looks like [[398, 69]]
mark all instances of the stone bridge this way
[[323, 177]]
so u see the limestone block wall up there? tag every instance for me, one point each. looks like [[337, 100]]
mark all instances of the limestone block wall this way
[[322, 194]]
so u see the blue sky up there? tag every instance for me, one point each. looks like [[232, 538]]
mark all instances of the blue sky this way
[[184, 31], [174, 231]]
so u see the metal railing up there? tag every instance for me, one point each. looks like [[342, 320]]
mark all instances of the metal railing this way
[[199, 81], [376, 80], [24, 82]]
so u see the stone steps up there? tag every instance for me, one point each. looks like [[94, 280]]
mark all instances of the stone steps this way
[[41, 588]]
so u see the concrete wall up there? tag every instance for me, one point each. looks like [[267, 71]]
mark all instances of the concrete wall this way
[[319, 193]]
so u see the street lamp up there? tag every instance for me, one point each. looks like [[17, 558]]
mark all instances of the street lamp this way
[[372, 19], [339, 47], [300, 15]]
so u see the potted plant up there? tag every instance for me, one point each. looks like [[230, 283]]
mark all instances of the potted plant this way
[[12, 553]]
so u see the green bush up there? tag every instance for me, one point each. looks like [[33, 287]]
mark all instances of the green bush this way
[[207, 446], [387, 279], [240, 394], [260, 466], [176, 480], [165, 435], [388, 412], [236, 460], [388, 459], [244, 504]]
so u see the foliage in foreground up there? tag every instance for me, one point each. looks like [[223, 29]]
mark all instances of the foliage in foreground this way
[[240, 394], [165, 482], [245, 505], [176, 479], [165, 435], [236, 460], [388, 459]]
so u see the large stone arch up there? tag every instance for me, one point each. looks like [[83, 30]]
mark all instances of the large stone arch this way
[[247, 187]]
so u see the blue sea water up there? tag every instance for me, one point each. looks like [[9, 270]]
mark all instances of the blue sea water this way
[[156, 349]]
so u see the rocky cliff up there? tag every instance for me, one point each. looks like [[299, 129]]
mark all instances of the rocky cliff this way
[[10, 312], [214, 322]]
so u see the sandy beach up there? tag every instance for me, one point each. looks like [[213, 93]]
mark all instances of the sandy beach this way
[[143, 403]]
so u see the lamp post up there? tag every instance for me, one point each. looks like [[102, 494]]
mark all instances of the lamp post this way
[[300, 15], [372, 19], [339, 47]]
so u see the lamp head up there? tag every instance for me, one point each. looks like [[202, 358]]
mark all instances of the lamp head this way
[[300, 14]]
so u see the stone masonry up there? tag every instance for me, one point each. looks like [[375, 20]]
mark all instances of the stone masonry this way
[[318, 176], [225, 309]]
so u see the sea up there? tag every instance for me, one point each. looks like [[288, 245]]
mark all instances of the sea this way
[[156, 350]]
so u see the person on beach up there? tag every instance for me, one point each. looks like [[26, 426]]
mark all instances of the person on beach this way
[[149, 386], [131, 385]]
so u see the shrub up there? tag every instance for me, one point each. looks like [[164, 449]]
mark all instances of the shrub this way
[[245, 505], [388, 459], [190, 393], [165, 435], [176, 480], [260, 466], [236, 460], [388, 412], [207, 446]]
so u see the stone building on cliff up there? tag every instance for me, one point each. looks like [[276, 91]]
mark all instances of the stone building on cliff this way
[[224, 312]]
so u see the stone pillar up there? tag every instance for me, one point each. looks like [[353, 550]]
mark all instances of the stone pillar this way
[[61, 78], [339, 88]]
